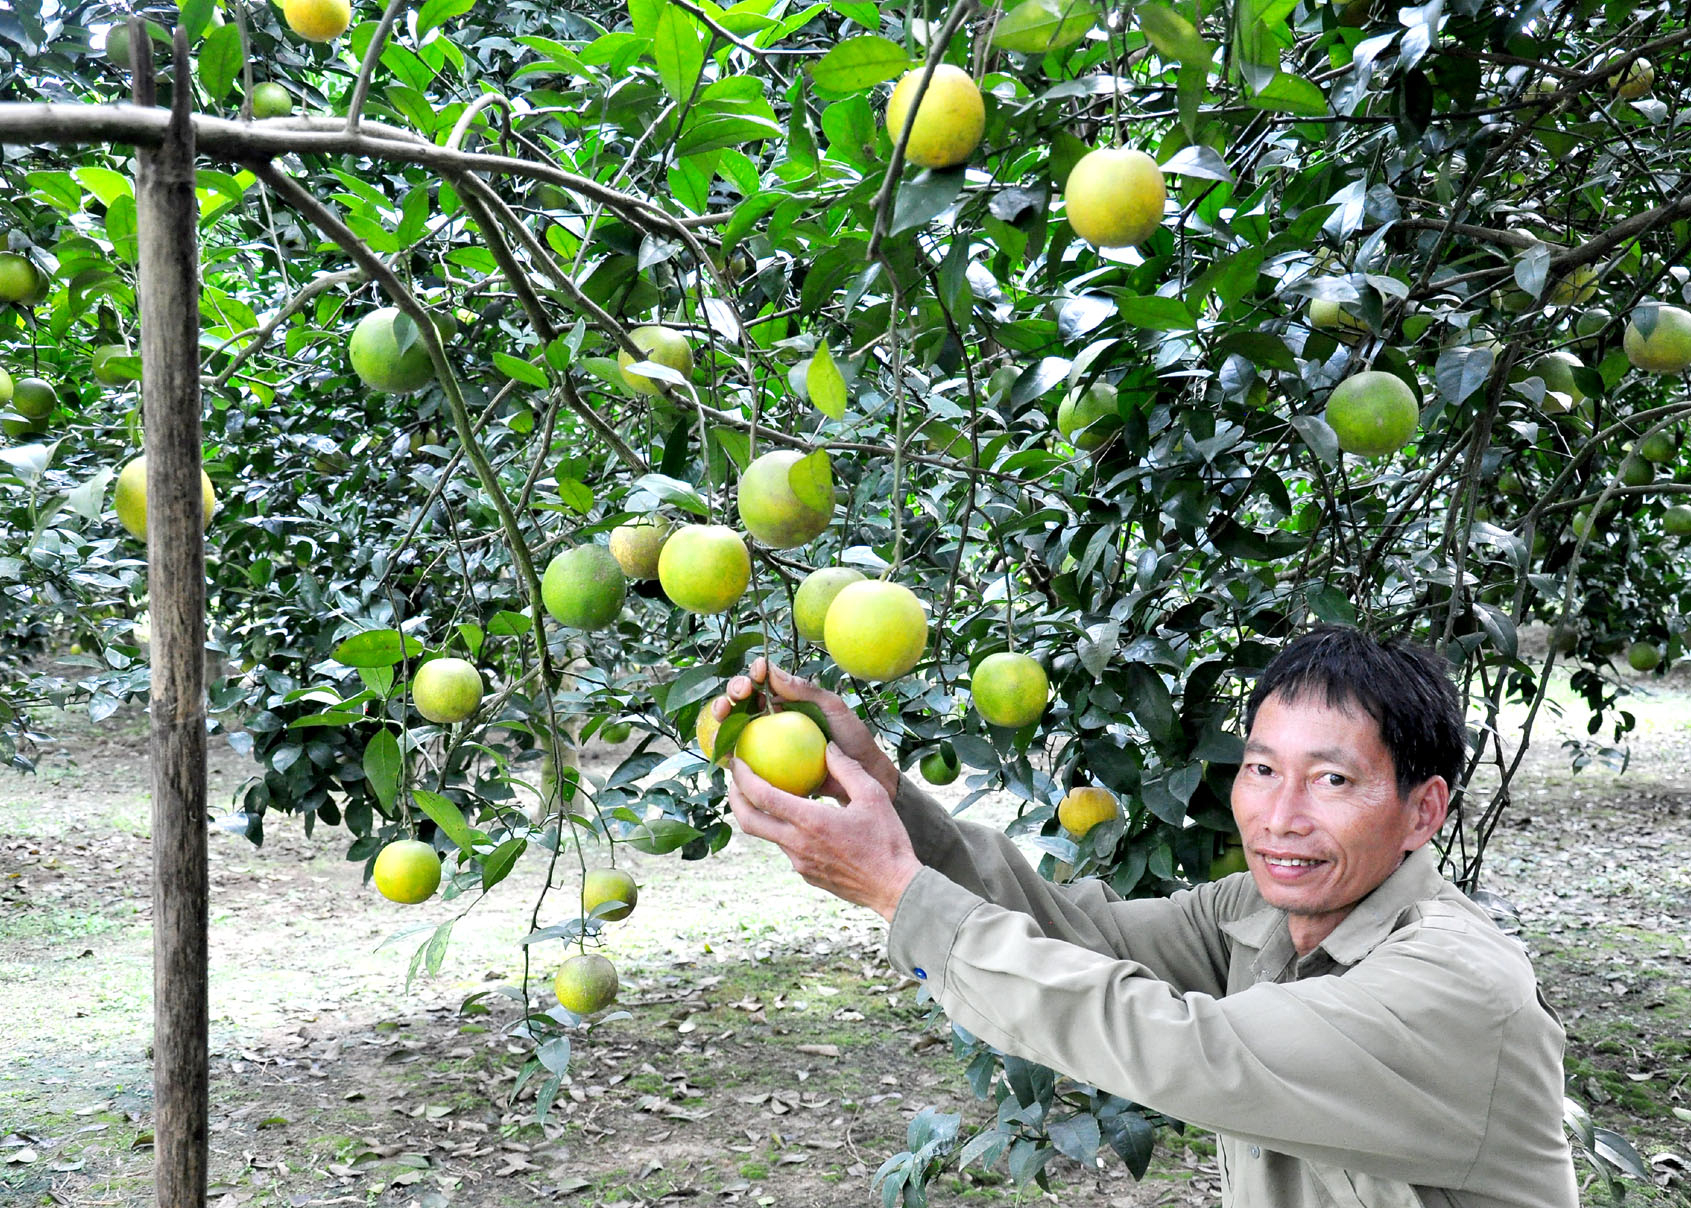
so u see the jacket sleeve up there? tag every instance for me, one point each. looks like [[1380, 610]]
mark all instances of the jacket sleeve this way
[[1178, 938], [1388, 1069]]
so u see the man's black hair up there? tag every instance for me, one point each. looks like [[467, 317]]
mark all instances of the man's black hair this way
[[1404, 687]]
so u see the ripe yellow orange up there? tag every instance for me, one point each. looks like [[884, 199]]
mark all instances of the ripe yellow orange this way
[[1114, 197], [769, 507], [317, 20], [1667, 347], [447, 690], [705, 732], [636, 546], [787, 749], [407, 871], [662, 346], [584, 587], [876, 630], [1009, 689], [949, 121], [377, 359], [586, 983], [816, 594], [602, 885], [130, 498], [704, 568], [1373, 413], [1085, 807]]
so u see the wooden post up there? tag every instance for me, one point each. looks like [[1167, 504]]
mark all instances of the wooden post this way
[[168, 216]]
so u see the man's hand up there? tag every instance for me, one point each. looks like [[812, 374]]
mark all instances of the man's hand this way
[[858, 850], [845, 727]]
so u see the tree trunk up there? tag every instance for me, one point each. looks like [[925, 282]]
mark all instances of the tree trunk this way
[[170, 317]]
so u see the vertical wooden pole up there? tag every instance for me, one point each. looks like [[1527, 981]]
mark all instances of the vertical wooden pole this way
[[168, 216]]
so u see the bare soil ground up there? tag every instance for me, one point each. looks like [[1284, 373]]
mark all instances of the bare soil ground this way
[[769, 1056]]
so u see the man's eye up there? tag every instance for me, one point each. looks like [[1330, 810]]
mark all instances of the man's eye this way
[[1336, 779]]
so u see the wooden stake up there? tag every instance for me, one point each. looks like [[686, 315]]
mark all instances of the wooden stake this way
[[168, 217]]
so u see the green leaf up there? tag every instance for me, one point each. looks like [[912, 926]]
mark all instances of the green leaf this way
[[377, 648], [812, 478], [498, 865], [678, 48], [661, 836], [825, 384], [438, 12], [105, 184], [447, 817], [811, 710], [505, 624], [382, 765], [1156, 314], [576, 496], [859, 63], [674, 491], [1287, 93], [924, 198], [520, 370], [195, 16], [1036, 27], [1173, 35], [220, 60]]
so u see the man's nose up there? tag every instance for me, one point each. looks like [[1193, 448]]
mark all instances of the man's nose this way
[[1288, 808]]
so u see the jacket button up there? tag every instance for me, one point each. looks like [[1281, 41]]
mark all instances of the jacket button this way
[[1255, 1152]]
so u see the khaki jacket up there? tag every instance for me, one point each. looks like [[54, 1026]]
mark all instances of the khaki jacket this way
[[1408, 1060]]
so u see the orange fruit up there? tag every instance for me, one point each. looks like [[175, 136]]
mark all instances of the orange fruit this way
[[1009, 689], [787, 749], [130, 498], [317, 20], [407, 871], [876, 630], [447, 690], [663, 346], [270, 99], [636, 546], [1373, 413], [938, 768], [1114, 197], [584, 587], [704, 568], [816, 594], [19, 278], [586, 983], [769, 507], [949, 121], [378, 361], [704, 732], [1667, 349], [1085, 807], [602, 885]]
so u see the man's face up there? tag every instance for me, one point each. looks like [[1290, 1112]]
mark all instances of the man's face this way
[[1317, 804]]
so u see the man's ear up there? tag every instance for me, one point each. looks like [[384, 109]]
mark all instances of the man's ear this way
[[1429, 805]]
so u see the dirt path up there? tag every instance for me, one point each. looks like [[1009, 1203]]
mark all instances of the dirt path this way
[[770, 1056]]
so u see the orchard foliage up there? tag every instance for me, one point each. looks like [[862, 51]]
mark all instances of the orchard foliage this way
[[1445, 192]]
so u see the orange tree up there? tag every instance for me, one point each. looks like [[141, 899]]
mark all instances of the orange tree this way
[[1112, 417]]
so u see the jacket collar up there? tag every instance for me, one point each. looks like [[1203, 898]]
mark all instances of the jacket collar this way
[[1372, 919]]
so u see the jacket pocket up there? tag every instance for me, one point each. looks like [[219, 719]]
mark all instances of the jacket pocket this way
[[1347, 1190]]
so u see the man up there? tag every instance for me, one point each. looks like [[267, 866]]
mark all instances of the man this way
[[1355, 1031]]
